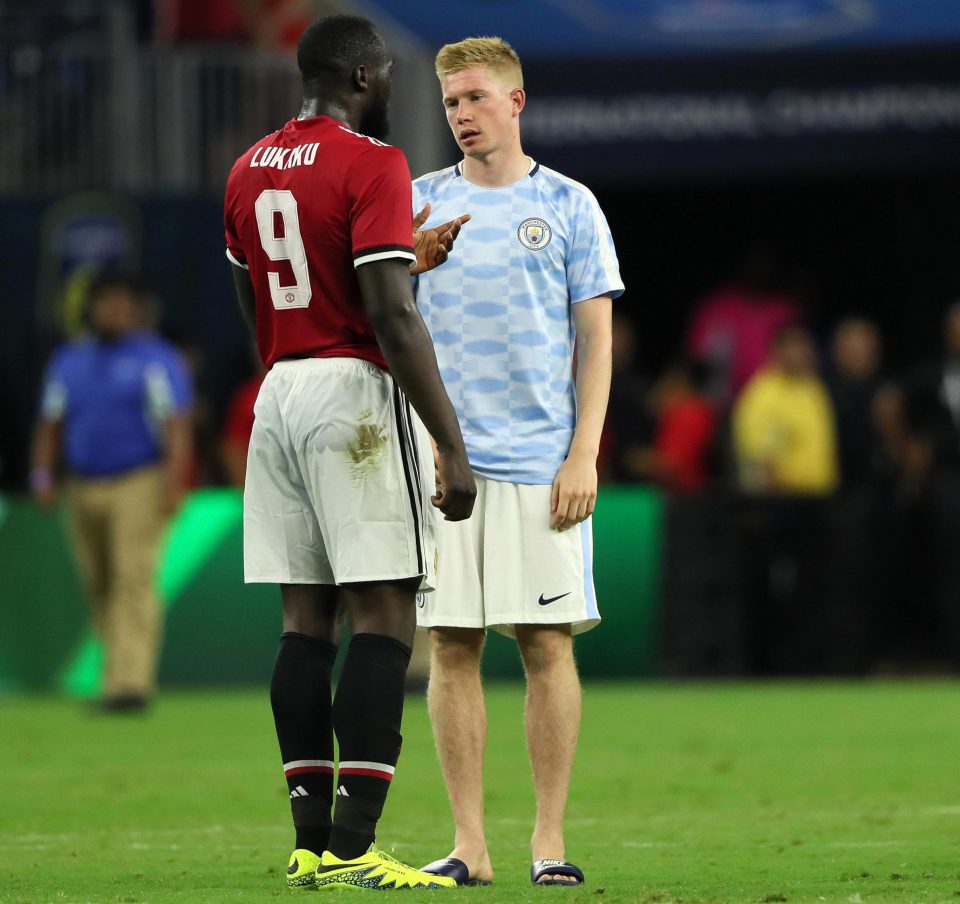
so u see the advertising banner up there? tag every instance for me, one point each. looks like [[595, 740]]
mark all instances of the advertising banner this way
[[774, 115]]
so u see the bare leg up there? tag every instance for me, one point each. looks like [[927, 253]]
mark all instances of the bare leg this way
[[310, 609], [385, 607], [553, 724], [459, 716]]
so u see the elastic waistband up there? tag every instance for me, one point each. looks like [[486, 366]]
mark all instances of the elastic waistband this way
[[326, 365]]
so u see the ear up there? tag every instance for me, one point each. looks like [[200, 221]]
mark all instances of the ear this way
[[518, 100], [360, 78]]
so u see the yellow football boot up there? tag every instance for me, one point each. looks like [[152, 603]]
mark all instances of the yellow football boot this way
[[375, 870], [302, 871]]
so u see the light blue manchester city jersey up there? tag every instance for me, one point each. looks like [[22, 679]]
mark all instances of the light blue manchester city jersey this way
[[499, 311]]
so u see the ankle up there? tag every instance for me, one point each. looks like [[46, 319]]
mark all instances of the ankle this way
[[547, 845], [474, 843], [476, 856]]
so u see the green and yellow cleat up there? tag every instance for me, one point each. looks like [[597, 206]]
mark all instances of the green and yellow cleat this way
[[375, 870], [302, 871]]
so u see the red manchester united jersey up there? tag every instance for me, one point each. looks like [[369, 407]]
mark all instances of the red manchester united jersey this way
[[304, 207]]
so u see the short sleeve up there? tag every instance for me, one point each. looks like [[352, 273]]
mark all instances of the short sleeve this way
[[592, 267], [181, 382], [381, 196], [168, 386], [53, 395], [417, 199], [234, 249]]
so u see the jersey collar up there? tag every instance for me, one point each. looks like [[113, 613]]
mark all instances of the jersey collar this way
[[532, 171]]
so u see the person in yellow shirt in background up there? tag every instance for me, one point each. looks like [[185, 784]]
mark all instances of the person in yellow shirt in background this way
[[784, 436], [784, 440]]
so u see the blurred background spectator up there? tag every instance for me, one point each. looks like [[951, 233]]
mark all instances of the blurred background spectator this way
[[113, 437], [679, 458], [918, 559], [783, 423], [853, 380], [733, 328], [785, 447], [628, 430], [857, 391], [276, 24]]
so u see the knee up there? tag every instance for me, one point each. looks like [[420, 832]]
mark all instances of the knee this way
[[390, 618], [545, 648], [309, 611], [383, 607], [308, 623], [456, 649]]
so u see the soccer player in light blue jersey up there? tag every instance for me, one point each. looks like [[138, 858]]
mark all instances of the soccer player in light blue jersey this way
[[535, 277]]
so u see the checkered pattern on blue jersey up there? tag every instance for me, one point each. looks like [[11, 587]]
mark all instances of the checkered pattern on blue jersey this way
[[499, 311]]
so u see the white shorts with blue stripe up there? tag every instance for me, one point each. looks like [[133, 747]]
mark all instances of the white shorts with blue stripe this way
[[505, 566]]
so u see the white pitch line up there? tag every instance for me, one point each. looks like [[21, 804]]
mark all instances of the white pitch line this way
[[651, 844], [137, 846]]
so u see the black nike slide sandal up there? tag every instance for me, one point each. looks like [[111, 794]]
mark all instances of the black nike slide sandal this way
[[555, 868], [455, 869]]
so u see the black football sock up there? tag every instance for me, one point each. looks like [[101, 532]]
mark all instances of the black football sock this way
[[366, 716], [302, 713]]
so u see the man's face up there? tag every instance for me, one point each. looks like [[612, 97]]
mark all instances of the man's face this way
[[114, 312], [375, 121], [482, 113], [796, 354], [856, 350], [952, 331]]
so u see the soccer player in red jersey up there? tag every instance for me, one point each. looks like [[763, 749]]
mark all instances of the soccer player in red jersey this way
[[337, 503]]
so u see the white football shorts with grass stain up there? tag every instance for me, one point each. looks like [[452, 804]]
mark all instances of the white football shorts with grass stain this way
[[506, 566], [339, 478]]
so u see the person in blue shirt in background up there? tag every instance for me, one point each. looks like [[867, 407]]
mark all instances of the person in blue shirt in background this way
[[113, 439], [537, 270]]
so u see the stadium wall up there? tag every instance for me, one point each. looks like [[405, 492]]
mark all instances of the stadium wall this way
[[222, 632]]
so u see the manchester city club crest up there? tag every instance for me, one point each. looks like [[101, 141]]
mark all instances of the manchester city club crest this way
[[534, 234]]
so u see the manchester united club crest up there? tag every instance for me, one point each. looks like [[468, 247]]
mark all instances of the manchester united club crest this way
[[534, 234]]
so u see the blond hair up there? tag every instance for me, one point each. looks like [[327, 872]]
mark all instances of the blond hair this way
[[492, 54]]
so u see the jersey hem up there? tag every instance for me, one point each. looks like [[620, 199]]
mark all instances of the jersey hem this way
[[384, 252], [613, 292], [233, 260], [353, 354], [522, 479]]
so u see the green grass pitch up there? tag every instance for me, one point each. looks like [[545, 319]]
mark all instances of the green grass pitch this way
[[695, 793]]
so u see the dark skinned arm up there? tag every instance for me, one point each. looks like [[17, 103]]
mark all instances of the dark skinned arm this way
[[406, 344], [245, 296]]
